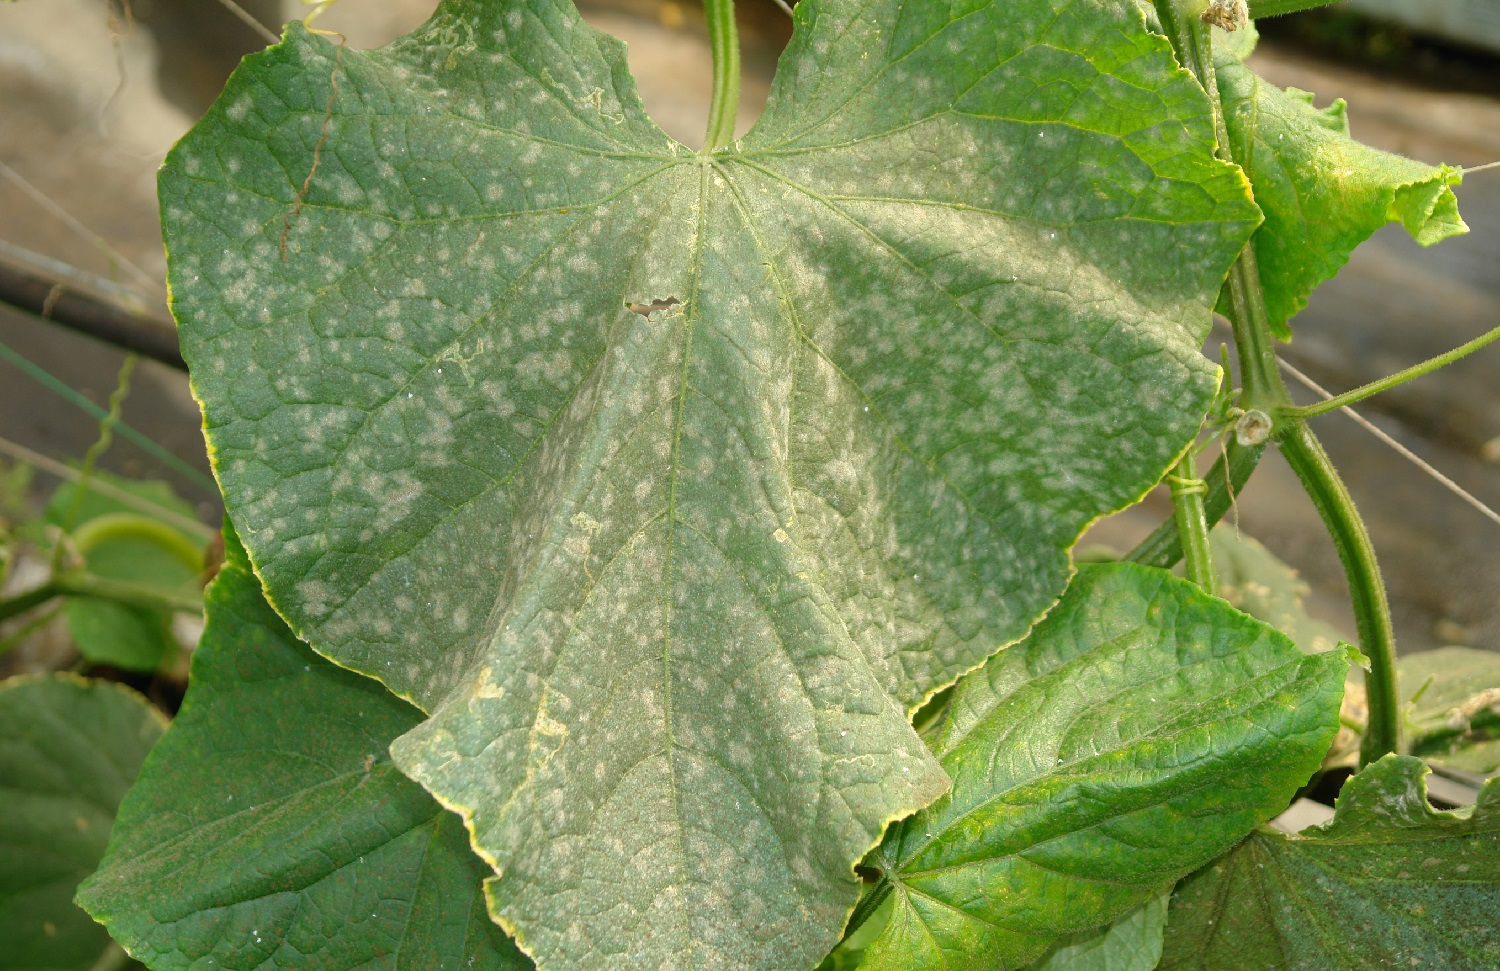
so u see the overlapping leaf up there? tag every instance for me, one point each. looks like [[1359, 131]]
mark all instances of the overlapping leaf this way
[[270, 830], [1254, 580], [1322, 192], [1131, 943], [1141, 730], [670, 484], [1388, 883], [69, 749]]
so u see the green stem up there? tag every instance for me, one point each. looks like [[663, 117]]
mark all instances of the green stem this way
[[1386, 383], [1163, 548], [18, 636], [724, 41], [1261, 389], [1372, 615], [22, 602], [132, 594], [1192, 526]]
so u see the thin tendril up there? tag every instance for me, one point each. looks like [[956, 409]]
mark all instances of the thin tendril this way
[[1400, 449], [1480, 168]]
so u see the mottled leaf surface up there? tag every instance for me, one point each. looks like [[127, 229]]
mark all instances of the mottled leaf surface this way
[[270, 832], [1388, 883], [1141, 730], [670, 484], [1131, 943], [1322, 192], [69, 749]]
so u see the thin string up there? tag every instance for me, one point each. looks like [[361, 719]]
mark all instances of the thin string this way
[[784, 6], [1400, 449], [265, 32], [77, 226], [1480, 168]]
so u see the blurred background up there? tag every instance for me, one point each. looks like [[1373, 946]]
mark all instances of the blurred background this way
[[94, 92]]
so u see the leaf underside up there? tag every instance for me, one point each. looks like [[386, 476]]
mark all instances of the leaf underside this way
[[1388, 883], [670, 485], [69, 749], [270, 831], [1140, 731], [1131, 943]]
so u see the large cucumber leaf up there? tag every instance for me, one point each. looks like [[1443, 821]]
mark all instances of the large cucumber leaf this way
[[670, 484], [1140, 731], [1322, 192], [69, 749], [1387, 883], [270, 830], [1131, 943]]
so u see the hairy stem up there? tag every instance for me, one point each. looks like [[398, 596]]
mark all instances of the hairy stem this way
[[1192, 525], [1372, 615], [1400, 377], [1163, 548], [724, 41], [22, 602], [1261, 389]]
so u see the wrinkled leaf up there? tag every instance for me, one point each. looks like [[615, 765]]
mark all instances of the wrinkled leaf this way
[[1454, 718], [1322, 192], [670, 485], [69, 749], [1388, 883], [1131, 943], [1141, 730], [271, 831], [105, 632], [1254, 580]]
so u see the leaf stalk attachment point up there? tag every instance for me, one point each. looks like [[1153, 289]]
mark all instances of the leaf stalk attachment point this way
[[724, 42]]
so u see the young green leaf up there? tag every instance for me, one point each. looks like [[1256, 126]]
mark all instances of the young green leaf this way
[[1388, 883], [1322, 192], [1141, 730], [69, 749], [270, 830], [670, 484]]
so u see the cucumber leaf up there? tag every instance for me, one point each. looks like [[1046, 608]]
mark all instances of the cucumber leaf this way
[[1322, 192], [270, 829], [1131, 943], [1142, 729], [1454, 716], [69, 749], [670, 484], [1388, 882]]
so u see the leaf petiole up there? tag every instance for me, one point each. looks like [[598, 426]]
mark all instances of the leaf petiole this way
[[724, 41]]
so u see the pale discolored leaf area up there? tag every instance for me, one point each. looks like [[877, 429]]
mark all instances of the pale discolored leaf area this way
[[1322, 192], [1140, 731], [1389, 882], [270, 831], [69, 749], [670, 485]]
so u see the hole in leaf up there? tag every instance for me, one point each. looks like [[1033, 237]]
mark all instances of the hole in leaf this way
[[647, 309]]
